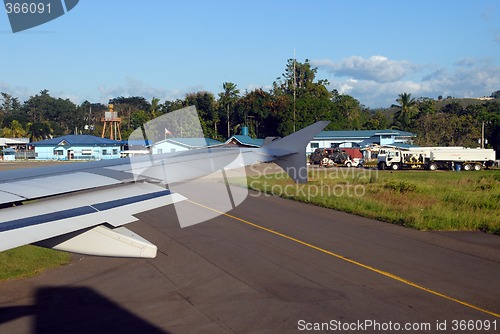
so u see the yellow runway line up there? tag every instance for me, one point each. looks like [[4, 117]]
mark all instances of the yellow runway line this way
[[362, 265]]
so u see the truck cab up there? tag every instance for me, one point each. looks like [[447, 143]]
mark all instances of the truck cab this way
[[391, 159]]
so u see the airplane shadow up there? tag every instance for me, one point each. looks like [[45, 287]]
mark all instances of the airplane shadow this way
[[77, 310]]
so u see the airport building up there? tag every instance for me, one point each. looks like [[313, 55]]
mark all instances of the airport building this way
[[77, 147], [8, 154], [358, 138], [12, 148], [15, 143]]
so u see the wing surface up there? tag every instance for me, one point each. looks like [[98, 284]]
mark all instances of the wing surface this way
[[82, 207]]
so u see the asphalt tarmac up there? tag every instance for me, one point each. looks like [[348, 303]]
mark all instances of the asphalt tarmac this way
[[269, 266]]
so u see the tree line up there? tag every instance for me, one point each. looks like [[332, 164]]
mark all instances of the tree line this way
[[297, 99]]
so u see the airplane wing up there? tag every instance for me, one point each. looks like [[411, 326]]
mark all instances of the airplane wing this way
[[82, 207], [47, 205]]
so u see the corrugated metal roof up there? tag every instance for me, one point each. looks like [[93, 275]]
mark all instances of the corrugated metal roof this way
[[403, 145], [138, 142], [361, 133], [79, 140], [246, 140], [8, 150], [13, 141]]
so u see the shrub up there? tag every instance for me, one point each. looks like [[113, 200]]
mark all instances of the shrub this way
[[400, 186]]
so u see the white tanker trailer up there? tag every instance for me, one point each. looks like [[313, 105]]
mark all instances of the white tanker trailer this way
[[433, 158]]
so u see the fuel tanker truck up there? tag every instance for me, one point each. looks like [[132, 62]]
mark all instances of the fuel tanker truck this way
[[433, 158]]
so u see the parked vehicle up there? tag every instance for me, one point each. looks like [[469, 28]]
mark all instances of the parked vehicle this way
[[353, 162], [433, 158], [329, 157], [319, 154], [355, 156]]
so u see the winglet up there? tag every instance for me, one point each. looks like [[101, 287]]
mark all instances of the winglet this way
[[291, 151]]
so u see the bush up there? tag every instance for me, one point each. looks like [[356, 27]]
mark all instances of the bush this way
[[400, 186]]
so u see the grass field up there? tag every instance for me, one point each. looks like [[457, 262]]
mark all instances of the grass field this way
[[28, 261], [424, 200]]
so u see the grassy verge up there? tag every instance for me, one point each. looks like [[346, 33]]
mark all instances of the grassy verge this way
[[424, 200], [28, 261]]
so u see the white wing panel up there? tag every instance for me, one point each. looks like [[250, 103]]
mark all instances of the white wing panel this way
[[9, 198], [55, 185]]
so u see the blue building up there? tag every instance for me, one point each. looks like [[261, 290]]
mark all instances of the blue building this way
[[77, 147], [8, 154], [358, 138]]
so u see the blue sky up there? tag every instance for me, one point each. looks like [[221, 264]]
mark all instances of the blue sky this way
[[372, 50]]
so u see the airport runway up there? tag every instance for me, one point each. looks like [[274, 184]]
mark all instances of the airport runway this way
[[269, 266]]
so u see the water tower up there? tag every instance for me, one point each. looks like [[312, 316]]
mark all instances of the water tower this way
[[112, 122]]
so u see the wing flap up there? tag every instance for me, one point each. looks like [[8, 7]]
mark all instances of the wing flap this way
[[6, 198], [103, 241], [57, 216]]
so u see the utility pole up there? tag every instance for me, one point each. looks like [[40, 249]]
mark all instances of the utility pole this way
[[482, 135], [228, 130], [294, 89]]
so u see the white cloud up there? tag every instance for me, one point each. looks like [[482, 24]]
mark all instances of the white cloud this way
[[377, 81], [252, 87], [22, 93], [376, 68], [103, 93], [135, 87], [468, 78], [374, 94]]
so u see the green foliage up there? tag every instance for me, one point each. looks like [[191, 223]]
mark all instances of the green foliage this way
[[91, 114], [14, 130], [457, 124], [406, 108], [255, 109], [302, 100], [227, 100], [207, 110], [61, 113], [127, 107], [155, 107], [39, 130], [138, 118]]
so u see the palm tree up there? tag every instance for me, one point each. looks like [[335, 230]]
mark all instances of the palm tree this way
[[227, 100], [15, 130], [39, 130], [406, 106], [154, 107]]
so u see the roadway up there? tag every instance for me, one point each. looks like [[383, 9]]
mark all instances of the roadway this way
[[269, 266]]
